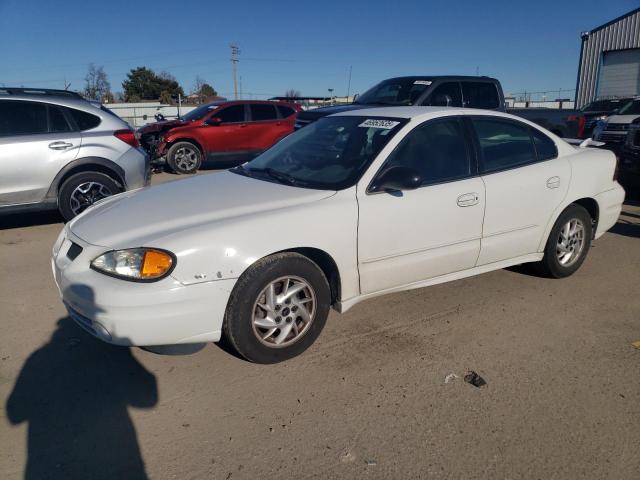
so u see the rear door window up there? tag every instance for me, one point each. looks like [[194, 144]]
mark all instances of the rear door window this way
[[57, 121], [232, 114], [503, 144], [22, 118], [262, 112], [480, 95], [445, 95]]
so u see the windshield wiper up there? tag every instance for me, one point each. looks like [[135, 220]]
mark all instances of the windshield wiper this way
[[281, 176]]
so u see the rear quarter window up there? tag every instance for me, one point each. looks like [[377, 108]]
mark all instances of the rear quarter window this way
[[84, 120], [285, 111], [545, 147]]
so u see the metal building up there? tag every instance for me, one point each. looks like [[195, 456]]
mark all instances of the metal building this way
[[610, 60]]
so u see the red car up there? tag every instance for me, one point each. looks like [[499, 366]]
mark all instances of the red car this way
[[230, 132]]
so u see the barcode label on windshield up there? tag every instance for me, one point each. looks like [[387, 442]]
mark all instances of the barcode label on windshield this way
[[373, 123]]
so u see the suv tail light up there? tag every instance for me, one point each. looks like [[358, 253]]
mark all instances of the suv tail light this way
[[581, 122], [127, 136]]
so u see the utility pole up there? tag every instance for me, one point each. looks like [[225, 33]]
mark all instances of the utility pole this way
[[349, 83], [240, 82], [235, 51]]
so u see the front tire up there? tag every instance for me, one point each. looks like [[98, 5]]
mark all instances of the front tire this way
[[82, 190], [184, 158], [568, 243], [277, 309]]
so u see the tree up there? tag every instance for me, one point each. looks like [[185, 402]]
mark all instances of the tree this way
[[292, 94], [202, 89], [145, 84], [97, 86]]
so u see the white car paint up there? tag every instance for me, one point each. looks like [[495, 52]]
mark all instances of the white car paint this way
[[218, 225]]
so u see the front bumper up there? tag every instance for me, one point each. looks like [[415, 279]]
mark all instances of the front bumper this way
[[129, 313]]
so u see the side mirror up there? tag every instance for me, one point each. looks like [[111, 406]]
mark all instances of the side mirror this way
[[213, 121], [397, 179]]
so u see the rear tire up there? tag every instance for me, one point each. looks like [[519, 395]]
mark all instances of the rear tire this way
[[277, 308], [184, 158], [568, 243], [82, 190]]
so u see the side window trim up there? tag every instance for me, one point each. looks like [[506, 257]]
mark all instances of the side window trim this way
[[470, 157], [481, 167]]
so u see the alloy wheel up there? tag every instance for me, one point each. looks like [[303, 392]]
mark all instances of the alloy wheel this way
[[86, 194], [186, 158], [571, 242]]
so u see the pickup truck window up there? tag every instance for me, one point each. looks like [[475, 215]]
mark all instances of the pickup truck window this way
[[503, 144], [436, 150], [480, 95], [445, 95], [631, 108], [404, 91]]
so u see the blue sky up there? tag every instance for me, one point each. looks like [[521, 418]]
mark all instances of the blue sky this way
[[309, 46]]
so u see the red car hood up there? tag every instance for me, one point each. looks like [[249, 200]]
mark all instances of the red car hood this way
[[162, 126]]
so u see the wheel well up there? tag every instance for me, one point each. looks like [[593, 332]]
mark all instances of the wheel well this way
[[91, 167], [188, 140], [591, 206], [328, 267]]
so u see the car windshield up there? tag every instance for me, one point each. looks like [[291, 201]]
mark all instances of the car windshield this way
[[631, 108], [398, 91], [604, 105], [198, 113], [330, 154]]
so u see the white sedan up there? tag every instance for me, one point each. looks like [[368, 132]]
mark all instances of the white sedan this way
[[355, 205]]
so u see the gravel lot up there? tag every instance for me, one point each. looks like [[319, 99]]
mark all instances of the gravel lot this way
[[368, 400]]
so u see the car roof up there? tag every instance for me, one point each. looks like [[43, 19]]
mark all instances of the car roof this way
[[67, 101]]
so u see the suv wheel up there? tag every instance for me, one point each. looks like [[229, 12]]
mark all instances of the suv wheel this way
[[277, 309], [82, 190], [184, 157]]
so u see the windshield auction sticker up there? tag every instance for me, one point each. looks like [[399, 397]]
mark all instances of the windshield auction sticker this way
[[422, 82], [374, 123]]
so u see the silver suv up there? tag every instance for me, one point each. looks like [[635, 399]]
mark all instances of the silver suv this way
[[59, 150]]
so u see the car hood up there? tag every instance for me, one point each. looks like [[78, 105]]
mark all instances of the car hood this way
[[137, 218], [324, 111], [622, 118], [162, 126]]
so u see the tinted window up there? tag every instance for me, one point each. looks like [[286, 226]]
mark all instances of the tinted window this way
[[503, 144], [445, 95], [285, 111], [57, 121], [436, 150], [396, 91], [22, 118], [262, 111], [84, 120], [232, 114], [545, 147], [480, 95]]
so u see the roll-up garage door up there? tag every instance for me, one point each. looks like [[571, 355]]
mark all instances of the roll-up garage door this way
[[619, 74]]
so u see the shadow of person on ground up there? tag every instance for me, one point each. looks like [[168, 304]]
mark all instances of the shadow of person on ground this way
[[74, 393]]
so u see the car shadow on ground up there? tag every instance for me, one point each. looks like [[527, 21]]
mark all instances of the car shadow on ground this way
[[626, 229], [29, 219], [74, 393]]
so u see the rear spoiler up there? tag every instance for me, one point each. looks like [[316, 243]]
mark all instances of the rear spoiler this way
[[589, 142]]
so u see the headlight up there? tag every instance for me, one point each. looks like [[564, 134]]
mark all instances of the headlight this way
[[136, 264]]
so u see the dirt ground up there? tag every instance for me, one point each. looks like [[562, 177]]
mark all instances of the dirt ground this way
[[368, 400]]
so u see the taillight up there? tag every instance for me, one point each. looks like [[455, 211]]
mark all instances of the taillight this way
[[581, 123], [127, 136]]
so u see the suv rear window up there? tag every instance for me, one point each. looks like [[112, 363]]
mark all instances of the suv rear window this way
[[480, 95], [263, 111], [22, 118], [84, 120]]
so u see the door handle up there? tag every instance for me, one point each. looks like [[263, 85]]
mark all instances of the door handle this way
[[468, 199], [60, 145], [553, 182]]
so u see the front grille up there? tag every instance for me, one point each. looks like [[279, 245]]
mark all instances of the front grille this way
[[611, 138], [617, 127], [74, 251]]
